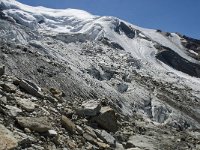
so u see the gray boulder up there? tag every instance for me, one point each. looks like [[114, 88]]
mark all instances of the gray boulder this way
[[26, 104], [106, 137], [40, 124], [107, 119], [68, 124], [89, 108], [30, 87], [7, 140], [13, 111]]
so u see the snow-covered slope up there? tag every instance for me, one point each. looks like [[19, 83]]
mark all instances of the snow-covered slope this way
[[112, 54], [73, 21]]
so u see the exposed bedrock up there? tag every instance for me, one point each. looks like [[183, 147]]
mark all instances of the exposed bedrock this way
[[174, 60]]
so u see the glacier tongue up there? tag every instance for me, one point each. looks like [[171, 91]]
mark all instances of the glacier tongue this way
[[110, 53]]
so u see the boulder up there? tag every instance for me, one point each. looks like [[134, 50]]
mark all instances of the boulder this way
[[89, 108], [30, 88], [52, 133], [9, 87], [7, 140], [2, 70], [68, 124], [106, 137], [40, 124], [26, 104], [13, 111], [107, 119], [3, 99]]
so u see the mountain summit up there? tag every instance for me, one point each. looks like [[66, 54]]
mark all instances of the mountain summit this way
[[73, 80]]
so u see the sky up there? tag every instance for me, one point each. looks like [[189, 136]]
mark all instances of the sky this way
[[181, 16]]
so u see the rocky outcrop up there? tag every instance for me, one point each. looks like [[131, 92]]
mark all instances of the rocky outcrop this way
[[128, 31], [174, 60]]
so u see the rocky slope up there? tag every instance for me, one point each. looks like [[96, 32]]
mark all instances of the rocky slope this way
[[72, 80]]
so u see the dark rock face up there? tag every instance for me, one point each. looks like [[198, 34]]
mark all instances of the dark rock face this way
[[174, 60], [128, 31], [114, 45], [192, 44]]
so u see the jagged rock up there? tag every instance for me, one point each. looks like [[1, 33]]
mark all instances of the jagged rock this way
[[13, 111], [68, 124], [40, 124], [2, 70], [31, 88], [128, 31], [7, 140], [107, 119], [106, 137], [89, 108], [26, 104]]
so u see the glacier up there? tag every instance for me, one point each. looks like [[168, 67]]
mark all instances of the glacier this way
[[108, 52]]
